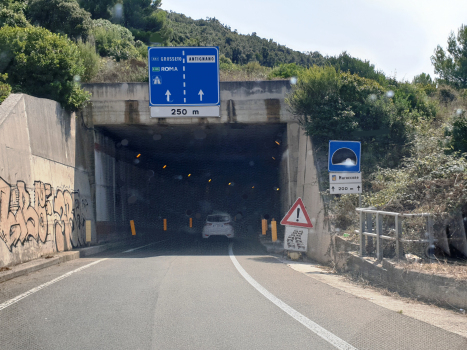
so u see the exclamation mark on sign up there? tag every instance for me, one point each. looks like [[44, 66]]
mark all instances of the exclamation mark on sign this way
[[298, 213]]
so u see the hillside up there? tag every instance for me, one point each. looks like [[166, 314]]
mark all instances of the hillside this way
[[239, 48]]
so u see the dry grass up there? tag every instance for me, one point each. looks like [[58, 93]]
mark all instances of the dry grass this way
[[241, 75], [456, 270], [130, 71]]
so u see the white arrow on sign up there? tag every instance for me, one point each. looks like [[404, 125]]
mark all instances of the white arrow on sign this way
[[200, 93], [168, 95]]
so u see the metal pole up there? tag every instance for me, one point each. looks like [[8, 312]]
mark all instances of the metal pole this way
[[431, 238], [362, 236], [369, 228], [397, 225], [379, 228]]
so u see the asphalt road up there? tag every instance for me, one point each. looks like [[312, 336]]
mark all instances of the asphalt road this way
[[187, 294]]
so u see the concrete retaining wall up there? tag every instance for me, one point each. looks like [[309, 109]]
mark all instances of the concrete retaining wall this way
[[440, 290], [45, 197]]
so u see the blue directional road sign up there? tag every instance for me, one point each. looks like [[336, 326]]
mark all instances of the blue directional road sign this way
[[183, 76], [344, 156]]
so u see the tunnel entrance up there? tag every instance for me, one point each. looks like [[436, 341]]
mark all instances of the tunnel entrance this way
[[191, 171]]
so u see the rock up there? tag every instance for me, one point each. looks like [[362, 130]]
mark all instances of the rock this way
[[412, 258]]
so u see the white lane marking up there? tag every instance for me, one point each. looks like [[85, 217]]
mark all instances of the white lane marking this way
[[314, 327], [42, 286], [147, 245]]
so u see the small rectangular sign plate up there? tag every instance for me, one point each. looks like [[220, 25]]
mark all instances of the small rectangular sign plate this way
[[185, 111], [345, 188], [343, 178]]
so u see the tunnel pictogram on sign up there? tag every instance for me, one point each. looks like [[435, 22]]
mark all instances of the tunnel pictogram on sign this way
[[297, 216]]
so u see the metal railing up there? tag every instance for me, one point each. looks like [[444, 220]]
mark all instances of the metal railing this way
[[366, 230]]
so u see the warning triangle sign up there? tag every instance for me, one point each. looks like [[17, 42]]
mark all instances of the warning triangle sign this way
[[297, 216]]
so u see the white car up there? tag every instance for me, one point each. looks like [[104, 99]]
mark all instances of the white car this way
[[218, 225]]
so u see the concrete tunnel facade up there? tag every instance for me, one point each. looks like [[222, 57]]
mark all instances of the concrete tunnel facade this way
[[255, 127]]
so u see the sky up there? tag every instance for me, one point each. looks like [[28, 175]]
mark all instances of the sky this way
[[397, 36]]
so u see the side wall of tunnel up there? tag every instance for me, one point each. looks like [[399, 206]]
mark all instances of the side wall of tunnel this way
[[303, 170], [121, 191]]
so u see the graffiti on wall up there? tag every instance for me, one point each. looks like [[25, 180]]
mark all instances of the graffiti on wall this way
[[60, 218]]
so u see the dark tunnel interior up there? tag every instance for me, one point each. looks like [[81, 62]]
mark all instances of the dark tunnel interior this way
[[191, 171]]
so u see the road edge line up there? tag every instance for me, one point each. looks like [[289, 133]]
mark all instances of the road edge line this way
[[147, 245], [314, 327]]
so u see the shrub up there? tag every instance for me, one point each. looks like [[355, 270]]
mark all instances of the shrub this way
[[286, 71], [42, 64], [90, 59], [113, 40], [5, 89]]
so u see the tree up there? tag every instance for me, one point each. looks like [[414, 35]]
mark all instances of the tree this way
[[346, 63], [42, 64], [317, 104], [98, 8], [61, 16], [143, 15], [451, 65], [12, 13]]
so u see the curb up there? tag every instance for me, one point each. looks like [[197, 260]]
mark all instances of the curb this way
[[272, 247], [37, 264], [42, 263]]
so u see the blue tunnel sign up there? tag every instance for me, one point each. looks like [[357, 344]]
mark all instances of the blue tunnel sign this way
[[344, 156], [183, 76]]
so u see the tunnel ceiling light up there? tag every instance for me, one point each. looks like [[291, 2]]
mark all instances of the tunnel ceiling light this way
[[165, 166], [253, 187], [139, 155], [273, 158], [189, 175], [278, 143], [230, 183], [209, 180]]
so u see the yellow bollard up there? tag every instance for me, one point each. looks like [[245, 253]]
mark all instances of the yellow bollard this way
[[165, 224], [133, 230], [274, 230], [264, 223], [88, 231], [191, 222]]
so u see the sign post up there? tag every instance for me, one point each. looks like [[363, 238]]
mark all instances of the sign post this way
[[184, 82], [296, 222], [344, 168]]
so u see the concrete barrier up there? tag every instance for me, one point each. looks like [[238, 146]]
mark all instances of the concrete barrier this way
[[439, 290]]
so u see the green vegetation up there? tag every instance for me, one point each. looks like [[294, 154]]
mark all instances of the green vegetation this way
[[240, 49], [60, 16], [113, 40], [286, 70], [451, 66], [5, 88], [42, 64], [12, 13]]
